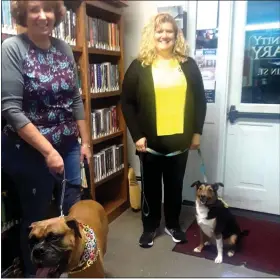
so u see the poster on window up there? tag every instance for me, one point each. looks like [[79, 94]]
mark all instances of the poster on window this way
[[207, 38], [206, 61], [261, 70]]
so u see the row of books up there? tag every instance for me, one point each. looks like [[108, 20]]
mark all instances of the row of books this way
[[108, 161], [104, 77], [102, 34], [5, 226], [7, 22], [66, 30], [104, 122]]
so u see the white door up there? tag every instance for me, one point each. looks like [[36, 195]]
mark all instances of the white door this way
[[252, 145]]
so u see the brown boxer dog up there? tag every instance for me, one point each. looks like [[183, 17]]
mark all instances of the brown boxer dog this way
[[75, 244]]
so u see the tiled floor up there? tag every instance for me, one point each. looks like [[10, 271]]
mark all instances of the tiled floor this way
[[125, 258]]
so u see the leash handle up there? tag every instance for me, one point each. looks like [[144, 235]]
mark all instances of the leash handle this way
[[202, 166], [62, 193]]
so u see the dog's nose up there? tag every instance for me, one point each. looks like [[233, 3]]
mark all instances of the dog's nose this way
[[38, 252], [203, 198]]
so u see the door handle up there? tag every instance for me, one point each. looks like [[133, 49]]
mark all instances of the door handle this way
[[234, 114]]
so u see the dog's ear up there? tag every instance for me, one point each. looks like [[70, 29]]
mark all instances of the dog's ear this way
[[74, 225], [197, 184], [216, 186]]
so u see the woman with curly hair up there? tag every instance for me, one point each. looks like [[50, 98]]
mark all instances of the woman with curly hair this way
[[44, 112], [164, 105]]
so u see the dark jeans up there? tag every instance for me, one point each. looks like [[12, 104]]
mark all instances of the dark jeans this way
[[172, 170], [35, 184]]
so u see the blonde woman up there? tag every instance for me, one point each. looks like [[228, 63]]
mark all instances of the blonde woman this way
[[164, 105]]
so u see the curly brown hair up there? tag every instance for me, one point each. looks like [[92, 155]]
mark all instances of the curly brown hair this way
[[19, 11]]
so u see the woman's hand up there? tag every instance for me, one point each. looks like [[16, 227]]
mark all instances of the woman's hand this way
[[141, 145], [55, 162], [85, 153], [195, 142]]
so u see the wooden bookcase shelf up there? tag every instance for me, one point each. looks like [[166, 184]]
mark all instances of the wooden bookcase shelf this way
[[107, 137], [118, 3], [111, 191], [97, 51], [112, 205], [105, 94], [77, 49], [109, 177]]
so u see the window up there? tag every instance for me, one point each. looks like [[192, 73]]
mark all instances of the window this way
[[261, 65]]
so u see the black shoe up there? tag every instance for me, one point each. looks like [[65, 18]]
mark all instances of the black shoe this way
[[147, 239], [177, 235]]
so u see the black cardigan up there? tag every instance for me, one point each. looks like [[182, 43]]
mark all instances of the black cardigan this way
[[138, 106]]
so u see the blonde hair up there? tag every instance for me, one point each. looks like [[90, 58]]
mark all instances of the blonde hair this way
[[147, 53], [19, 11]]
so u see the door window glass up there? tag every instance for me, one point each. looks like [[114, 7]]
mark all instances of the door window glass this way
[[261, 65]]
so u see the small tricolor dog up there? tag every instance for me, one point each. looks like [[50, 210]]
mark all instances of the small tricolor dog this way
[[217, 224]]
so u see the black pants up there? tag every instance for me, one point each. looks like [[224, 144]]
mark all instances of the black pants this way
[[172, 170]]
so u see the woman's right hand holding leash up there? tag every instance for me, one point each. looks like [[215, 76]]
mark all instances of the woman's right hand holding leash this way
[[141, 145], [54, 161]]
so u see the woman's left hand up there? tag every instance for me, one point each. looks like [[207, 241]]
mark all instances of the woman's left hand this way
[[85, 153], [195, 142]]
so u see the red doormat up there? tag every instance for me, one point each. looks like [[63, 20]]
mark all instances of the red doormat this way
[[260, 250]]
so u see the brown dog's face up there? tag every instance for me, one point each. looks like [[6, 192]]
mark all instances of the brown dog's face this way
[[206, 194], [51, 243]]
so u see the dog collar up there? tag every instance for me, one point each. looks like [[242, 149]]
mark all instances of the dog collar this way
[[91, 250]]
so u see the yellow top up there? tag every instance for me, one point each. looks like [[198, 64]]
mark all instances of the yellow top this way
[[170, 93]]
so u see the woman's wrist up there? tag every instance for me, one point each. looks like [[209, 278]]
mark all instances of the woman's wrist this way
[[85, 144], [84, 135]]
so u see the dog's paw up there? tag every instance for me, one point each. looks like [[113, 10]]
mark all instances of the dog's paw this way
[[219, 259], [230, 253], [207, 243], [197, 249]]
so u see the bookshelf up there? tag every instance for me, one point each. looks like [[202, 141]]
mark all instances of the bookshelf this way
[[100, 35], [99, 53]]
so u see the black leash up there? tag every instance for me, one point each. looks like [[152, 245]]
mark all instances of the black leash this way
[[144, 200]]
